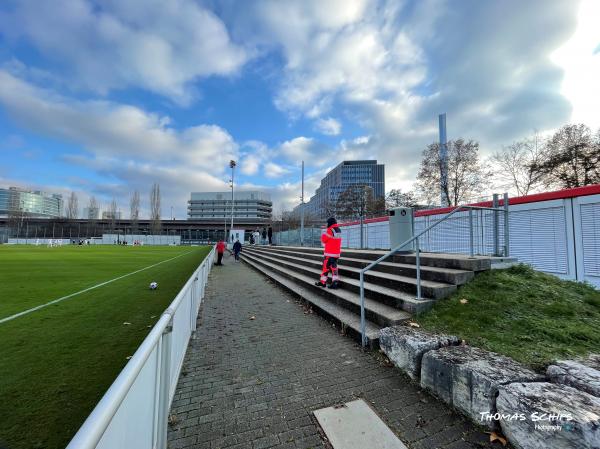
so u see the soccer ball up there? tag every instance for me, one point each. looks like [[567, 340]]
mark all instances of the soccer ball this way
[[153, 285]]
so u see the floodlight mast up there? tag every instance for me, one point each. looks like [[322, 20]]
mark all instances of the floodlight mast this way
[[232, 164], [302, 209]]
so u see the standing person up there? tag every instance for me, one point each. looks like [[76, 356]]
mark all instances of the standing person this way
[[237, 249], [256, 237], [264, 236], [332, 240], [220, 251], [270, 234]]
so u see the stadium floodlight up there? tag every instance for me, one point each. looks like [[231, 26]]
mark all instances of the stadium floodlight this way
[[232, 164]]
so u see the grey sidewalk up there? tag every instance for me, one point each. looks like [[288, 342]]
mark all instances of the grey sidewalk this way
[[253, 383]]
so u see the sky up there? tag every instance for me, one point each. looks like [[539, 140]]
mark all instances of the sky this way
[[107, 97]]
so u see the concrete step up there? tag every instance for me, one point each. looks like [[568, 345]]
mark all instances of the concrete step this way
[[344, 318], [388, 296], [375, 312], [444, 275], [439, 260], [429, 289]]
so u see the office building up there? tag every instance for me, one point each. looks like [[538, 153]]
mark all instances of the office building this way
[[32, 203], [346, 174], [216, 206]]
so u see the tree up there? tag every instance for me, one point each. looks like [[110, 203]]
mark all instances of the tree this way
[[516, 162], [73, 207], [359, 201], [467, 175], [93, 209], [134, 209], [397, 198], [112, 214], [155, 208], [571, 158]]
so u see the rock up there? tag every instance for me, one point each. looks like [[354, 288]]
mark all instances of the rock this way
[[468, 379], [405, 346], [581, 374], [574, 424]]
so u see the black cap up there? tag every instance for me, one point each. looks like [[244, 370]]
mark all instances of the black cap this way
[[331, 221]]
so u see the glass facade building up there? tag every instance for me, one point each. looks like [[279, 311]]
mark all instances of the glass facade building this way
[[217, 206], [33, 203], [346, 174]]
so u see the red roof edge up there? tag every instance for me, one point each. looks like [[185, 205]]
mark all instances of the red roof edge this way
[[593, 189]]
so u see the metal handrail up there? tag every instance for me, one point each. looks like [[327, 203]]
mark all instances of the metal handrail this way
[[417, 255]]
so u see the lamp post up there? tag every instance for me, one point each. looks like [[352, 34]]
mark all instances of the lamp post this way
[[232, 164]]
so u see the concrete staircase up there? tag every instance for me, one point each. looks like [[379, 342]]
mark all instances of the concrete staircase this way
[[390, 287]]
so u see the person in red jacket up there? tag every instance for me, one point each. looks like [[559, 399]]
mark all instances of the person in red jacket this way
[[220, 251], [332, 240]]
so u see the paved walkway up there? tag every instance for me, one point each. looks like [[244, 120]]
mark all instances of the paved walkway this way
[[253, 383]]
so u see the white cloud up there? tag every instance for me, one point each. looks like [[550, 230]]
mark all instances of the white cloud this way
[[328, 126], [155, 45], [273, 170], [125, 143]]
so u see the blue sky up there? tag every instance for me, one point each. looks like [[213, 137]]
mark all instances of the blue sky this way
[[106, 97]]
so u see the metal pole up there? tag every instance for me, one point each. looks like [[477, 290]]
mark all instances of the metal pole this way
[[163, 395], [232, 165], [363, 324], [418, 263], [496, 226], [302, 210], [506, 227], [361, 232], [471, 232], [443, 160]]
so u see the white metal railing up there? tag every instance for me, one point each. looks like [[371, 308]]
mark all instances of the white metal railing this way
[[133, 413]]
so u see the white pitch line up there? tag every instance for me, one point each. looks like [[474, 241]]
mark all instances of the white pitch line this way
[[54, 301]]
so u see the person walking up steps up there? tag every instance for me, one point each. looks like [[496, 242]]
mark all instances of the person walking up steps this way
[[332, 240], [237, 249]]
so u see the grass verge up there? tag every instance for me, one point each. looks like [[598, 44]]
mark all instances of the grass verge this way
[[57, 362], [533, 317]]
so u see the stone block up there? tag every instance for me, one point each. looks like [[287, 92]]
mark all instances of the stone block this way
[[540, 415], [581, 374], [468, 379], [406, 345]]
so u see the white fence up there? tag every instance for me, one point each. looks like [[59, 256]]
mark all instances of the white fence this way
[[134, 411], [559, 236]]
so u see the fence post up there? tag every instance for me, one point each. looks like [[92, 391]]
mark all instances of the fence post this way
[[418, 264], [496, 226], [362, 246], [506, 227], [165, 381], [470, 232]]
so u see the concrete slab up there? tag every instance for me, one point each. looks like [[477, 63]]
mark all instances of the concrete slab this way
[[355, 425]]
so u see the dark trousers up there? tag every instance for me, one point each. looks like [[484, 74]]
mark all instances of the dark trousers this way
[[237, 255], [219, 258]]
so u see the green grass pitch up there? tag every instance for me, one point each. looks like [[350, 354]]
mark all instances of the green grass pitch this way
[[57, 362]]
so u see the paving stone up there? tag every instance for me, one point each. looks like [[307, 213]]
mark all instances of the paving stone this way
[[468, 378], [581, 374], [267, 375], [405, 346], [551, 412]]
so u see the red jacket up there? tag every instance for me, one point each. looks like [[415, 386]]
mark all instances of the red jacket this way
[[221, 247], [332, 241]]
